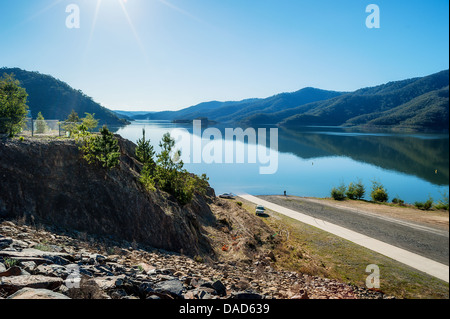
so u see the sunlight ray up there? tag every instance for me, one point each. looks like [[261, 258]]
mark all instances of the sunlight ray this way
[[43, 10], [136, 36], [91, 34], [172, 6]]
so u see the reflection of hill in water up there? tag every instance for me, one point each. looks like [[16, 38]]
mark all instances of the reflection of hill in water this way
[[416, 156]]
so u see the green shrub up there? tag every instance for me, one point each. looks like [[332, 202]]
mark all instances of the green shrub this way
[[398, 201], [360, 190], [101, 149], [171, 177], [356, 190], [424, 206], [239, 204], [379, 193], [9, 262], [442, 203], [339, 192], [147, 179]]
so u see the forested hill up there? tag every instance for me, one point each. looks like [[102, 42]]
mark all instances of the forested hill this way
[[56, 99], [237, 111], [419, 103]]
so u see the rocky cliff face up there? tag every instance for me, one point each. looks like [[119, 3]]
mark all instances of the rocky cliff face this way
[[47, 181]]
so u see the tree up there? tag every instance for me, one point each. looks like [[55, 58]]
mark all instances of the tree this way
[[89, 121], [71, 124], [339, 192], [73, 117], [13, 108], [356, 190], [379, 193], [172, 178], [102, 149], [41, 124], [145, 153]]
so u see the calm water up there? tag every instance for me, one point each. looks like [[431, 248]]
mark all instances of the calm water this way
[[314, 159]]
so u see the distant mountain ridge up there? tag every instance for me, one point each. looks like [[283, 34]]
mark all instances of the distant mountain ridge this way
[[417, 103], [420, 103], [56, 99], [237, 111]]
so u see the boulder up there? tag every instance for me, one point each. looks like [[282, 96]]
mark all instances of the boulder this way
[[13, 284], [37, 256], [220, 289], [174, 287], [5, 242], [30, 293], [52, 271], [13, 271]]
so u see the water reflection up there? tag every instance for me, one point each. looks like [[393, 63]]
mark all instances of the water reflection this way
[[314, 159]]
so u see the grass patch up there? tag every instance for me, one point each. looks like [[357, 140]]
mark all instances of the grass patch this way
[[306, 249]]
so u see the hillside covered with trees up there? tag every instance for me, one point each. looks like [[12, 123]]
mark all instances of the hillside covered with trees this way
[[419, 103], [55, 99]]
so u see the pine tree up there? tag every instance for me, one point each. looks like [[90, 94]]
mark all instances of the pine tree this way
[[41, 124], [145, 153], [102, 149]]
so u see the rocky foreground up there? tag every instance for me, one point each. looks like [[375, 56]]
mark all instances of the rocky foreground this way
[[37, 263]]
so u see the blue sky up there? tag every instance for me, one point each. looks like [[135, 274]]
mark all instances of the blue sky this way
[[170, 54]]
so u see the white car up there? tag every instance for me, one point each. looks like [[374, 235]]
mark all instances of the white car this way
[[260, 210], [227, 196]]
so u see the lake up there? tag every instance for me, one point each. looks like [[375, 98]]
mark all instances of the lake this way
[[312, 160]]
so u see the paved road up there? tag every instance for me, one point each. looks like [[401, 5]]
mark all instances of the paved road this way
[[423, 248]]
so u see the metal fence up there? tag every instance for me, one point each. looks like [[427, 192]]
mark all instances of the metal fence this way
[[33, 127]]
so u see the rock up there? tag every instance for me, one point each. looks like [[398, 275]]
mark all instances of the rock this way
[[247, 296], [205, 292], [13, 271], [174, 287], [28, 266], [5, 242], [41, 169], [37, 256], [30, 293], [88, 289], [13, 284], [2, 267], [109, 282], [119, 294], [220, 288], [20, 244], [52, 271], [302, 294]]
